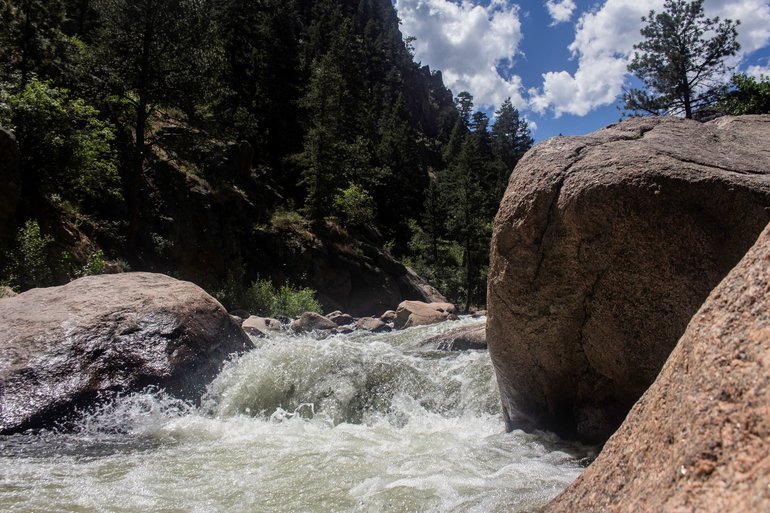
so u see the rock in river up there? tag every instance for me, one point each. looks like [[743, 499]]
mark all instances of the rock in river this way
[[698, 438], [65, 347], [603, 249]]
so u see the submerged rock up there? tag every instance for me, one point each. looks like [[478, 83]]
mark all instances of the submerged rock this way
[[66, 347], [697, 439], [417, 313], [603, 248], [463, 339]]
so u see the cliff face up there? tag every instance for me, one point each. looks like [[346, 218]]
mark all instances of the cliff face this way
[[604, 247]]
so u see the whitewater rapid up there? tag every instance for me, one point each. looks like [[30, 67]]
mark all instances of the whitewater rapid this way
[[351, 423]]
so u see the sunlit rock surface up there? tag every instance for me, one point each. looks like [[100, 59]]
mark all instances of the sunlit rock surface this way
[[62, 348], [603, 248]]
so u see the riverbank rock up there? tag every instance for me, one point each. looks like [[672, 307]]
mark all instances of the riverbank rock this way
[[698, 438], [261, 324], [372, 324], [603, 248], [340, 319], [463, 339], [417, 313], [63, 348], [311, 321]]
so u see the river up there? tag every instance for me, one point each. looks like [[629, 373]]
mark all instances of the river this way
[[353, 423]]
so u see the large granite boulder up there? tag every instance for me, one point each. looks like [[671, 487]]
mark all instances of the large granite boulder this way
[[65, 347], [698, 438], [603, 248]]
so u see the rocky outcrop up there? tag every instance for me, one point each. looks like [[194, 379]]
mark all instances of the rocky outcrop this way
[[603, 248], [698, 438], [418, 313], [10, 178], [65, 347]]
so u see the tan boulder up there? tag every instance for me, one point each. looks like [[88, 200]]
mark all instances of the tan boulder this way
[[603, 248], [259, 326], [417, 313], [698, 438], [372, 324], [67, 347], [311, 321]]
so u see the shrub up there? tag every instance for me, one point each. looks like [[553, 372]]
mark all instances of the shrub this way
[[355, 205], [95, 264], [262, 298], [66, 150], [28, 264]]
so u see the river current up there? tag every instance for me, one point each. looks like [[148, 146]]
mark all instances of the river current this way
[[350, 423]]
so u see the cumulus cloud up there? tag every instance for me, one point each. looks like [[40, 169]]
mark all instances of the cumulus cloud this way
[[560, 10], [469, 43], [603, 45]]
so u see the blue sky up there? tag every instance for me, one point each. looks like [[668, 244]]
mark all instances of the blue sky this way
[[562, 62]]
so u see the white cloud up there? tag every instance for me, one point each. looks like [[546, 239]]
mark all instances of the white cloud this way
[[603, 44], [759, 71], [468, 43], [560, 10]]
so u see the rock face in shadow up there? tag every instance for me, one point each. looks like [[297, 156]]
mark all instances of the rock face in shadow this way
[[66, 347], [698, 438], [603, 248]]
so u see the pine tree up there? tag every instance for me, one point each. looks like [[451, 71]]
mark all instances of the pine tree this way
[[31, 40], [681, 60], [152, 53], [511, 139]]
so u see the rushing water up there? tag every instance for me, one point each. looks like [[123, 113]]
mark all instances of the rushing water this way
[[357, 423]]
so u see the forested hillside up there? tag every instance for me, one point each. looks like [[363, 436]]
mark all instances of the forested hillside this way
[[228, 141]]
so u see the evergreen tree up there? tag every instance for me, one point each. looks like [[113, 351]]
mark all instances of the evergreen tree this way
[[511, 139], [152, 53], [747, 95], [680, 60], [31, 40], [262, 79]]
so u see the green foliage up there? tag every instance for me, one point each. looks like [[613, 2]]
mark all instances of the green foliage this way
[[292, 302], [747, 95], [95, 264], [680, 60], [284, 220], [66, 149], [262, 298], [28, 264], [355, 205], [31, 40]]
